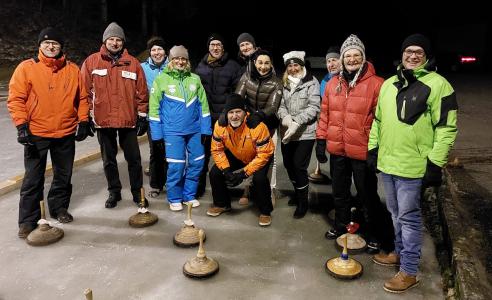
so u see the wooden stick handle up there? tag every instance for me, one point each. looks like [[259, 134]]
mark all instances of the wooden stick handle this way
[[201, 250], [142, 196], [43, 213], [189, 210], [88, 294]]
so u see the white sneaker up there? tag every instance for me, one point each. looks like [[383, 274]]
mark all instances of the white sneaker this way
[[194, 202], [176, 206]]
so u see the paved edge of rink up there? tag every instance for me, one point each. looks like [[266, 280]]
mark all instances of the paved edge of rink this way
[[15, 182], [470, 281]]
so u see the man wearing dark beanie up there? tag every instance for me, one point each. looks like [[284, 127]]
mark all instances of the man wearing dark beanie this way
[[48, 105], [219, 75], [152, 67], [119, 101], [247, 46], [413, 131], [240, 152]]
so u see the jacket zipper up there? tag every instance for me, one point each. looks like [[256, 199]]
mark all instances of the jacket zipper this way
[[402, 112]]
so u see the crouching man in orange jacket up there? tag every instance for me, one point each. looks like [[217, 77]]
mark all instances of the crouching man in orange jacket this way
[[49, 107], [248, 151]]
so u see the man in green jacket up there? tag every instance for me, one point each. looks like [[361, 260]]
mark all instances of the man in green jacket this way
[[411, 136]]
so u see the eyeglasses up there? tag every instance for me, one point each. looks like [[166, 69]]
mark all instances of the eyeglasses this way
[[419, 53], [182, 59], [215, 45], [53, 44]]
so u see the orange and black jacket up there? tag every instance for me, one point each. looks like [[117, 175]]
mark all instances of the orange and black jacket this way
[[48, 94], [253, 147]]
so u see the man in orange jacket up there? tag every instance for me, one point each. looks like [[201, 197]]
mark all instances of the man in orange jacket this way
[[236, 146], [48, 105]]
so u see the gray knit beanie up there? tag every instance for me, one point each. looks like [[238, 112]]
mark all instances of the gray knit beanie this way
[[113, 30], [178, 51], [246, 37]]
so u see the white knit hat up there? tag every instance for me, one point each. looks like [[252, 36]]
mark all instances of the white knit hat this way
[[178, 51], [353, 42], [294, 57]]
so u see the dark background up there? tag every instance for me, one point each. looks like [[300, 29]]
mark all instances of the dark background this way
[[312, 26]]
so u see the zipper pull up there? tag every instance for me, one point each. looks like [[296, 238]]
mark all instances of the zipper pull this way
[[402, 113]]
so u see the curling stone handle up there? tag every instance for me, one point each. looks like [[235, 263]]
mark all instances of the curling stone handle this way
[[201, 251], [318, 168], [88, 294], [352, 213], [344, 255], [43, 212], [190, 206], [142, 196]]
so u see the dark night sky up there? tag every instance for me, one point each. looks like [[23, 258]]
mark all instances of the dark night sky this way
[[315, 25]]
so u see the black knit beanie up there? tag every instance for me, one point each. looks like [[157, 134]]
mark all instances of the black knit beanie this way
[[215, 37], [420, 40], [234, 101], [156, 41], [50, 33]]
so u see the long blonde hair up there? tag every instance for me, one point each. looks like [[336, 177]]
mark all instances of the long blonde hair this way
[[171, 66]]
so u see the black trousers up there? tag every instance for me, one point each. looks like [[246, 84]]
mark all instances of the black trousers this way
[[376, 223], [296, 156], [157, 165], [128, 142], [62, 152], [261, 192]]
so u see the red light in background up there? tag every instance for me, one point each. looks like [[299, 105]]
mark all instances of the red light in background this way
[[468, 59]]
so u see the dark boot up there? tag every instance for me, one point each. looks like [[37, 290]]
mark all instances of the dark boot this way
[[302, 203], [293, 200], [113, 200]]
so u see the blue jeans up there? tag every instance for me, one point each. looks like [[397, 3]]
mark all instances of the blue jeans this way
[[403, 202]]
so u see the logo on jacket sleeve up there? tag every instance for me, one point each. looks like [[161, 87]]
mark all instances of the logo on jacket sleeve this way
[[172, 89], [192, 87]]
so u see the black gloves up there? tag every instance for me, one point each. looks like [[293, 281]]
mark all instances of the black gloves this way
[[222, 120], [83, 131], [92, 127], [234, 179], [24, 135], [372, 160], [321, 150], [432, 176], [142, 125], [255, 119], [204, 138], [159, 145]]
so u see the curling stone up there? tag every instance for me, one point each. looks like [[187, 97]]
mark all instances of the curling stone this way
[[318, 177], [44, 234], [344, 267], [200, 266], [187, 236], [352, 241], [143, 217]]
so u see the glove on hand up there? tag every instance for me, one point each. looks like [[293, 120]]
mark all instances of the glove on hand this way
[[159, 145], [255, 119], [321, 150], [24, 135], [92, 127], [286, 121], [142, 125], [237, 178], [372, 160], [290, 132], [82, 131], [432, 176], [222, 120], [204, 138]]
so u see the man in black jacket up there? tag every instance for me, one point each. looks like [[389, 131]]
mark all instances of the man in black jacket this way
[[219, 75]]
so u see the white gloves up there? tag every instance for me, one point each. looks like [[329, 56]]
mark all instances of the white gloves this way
[[290, 131], [286, 120]]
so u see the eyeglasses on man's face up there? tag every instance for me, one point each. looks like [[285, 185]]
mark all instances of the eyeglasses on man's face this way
[[418, 52], [54, 44], [215, 45]]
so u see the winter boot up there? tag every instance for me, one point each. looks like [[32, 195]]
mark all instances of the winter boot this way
[[302, 202]]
